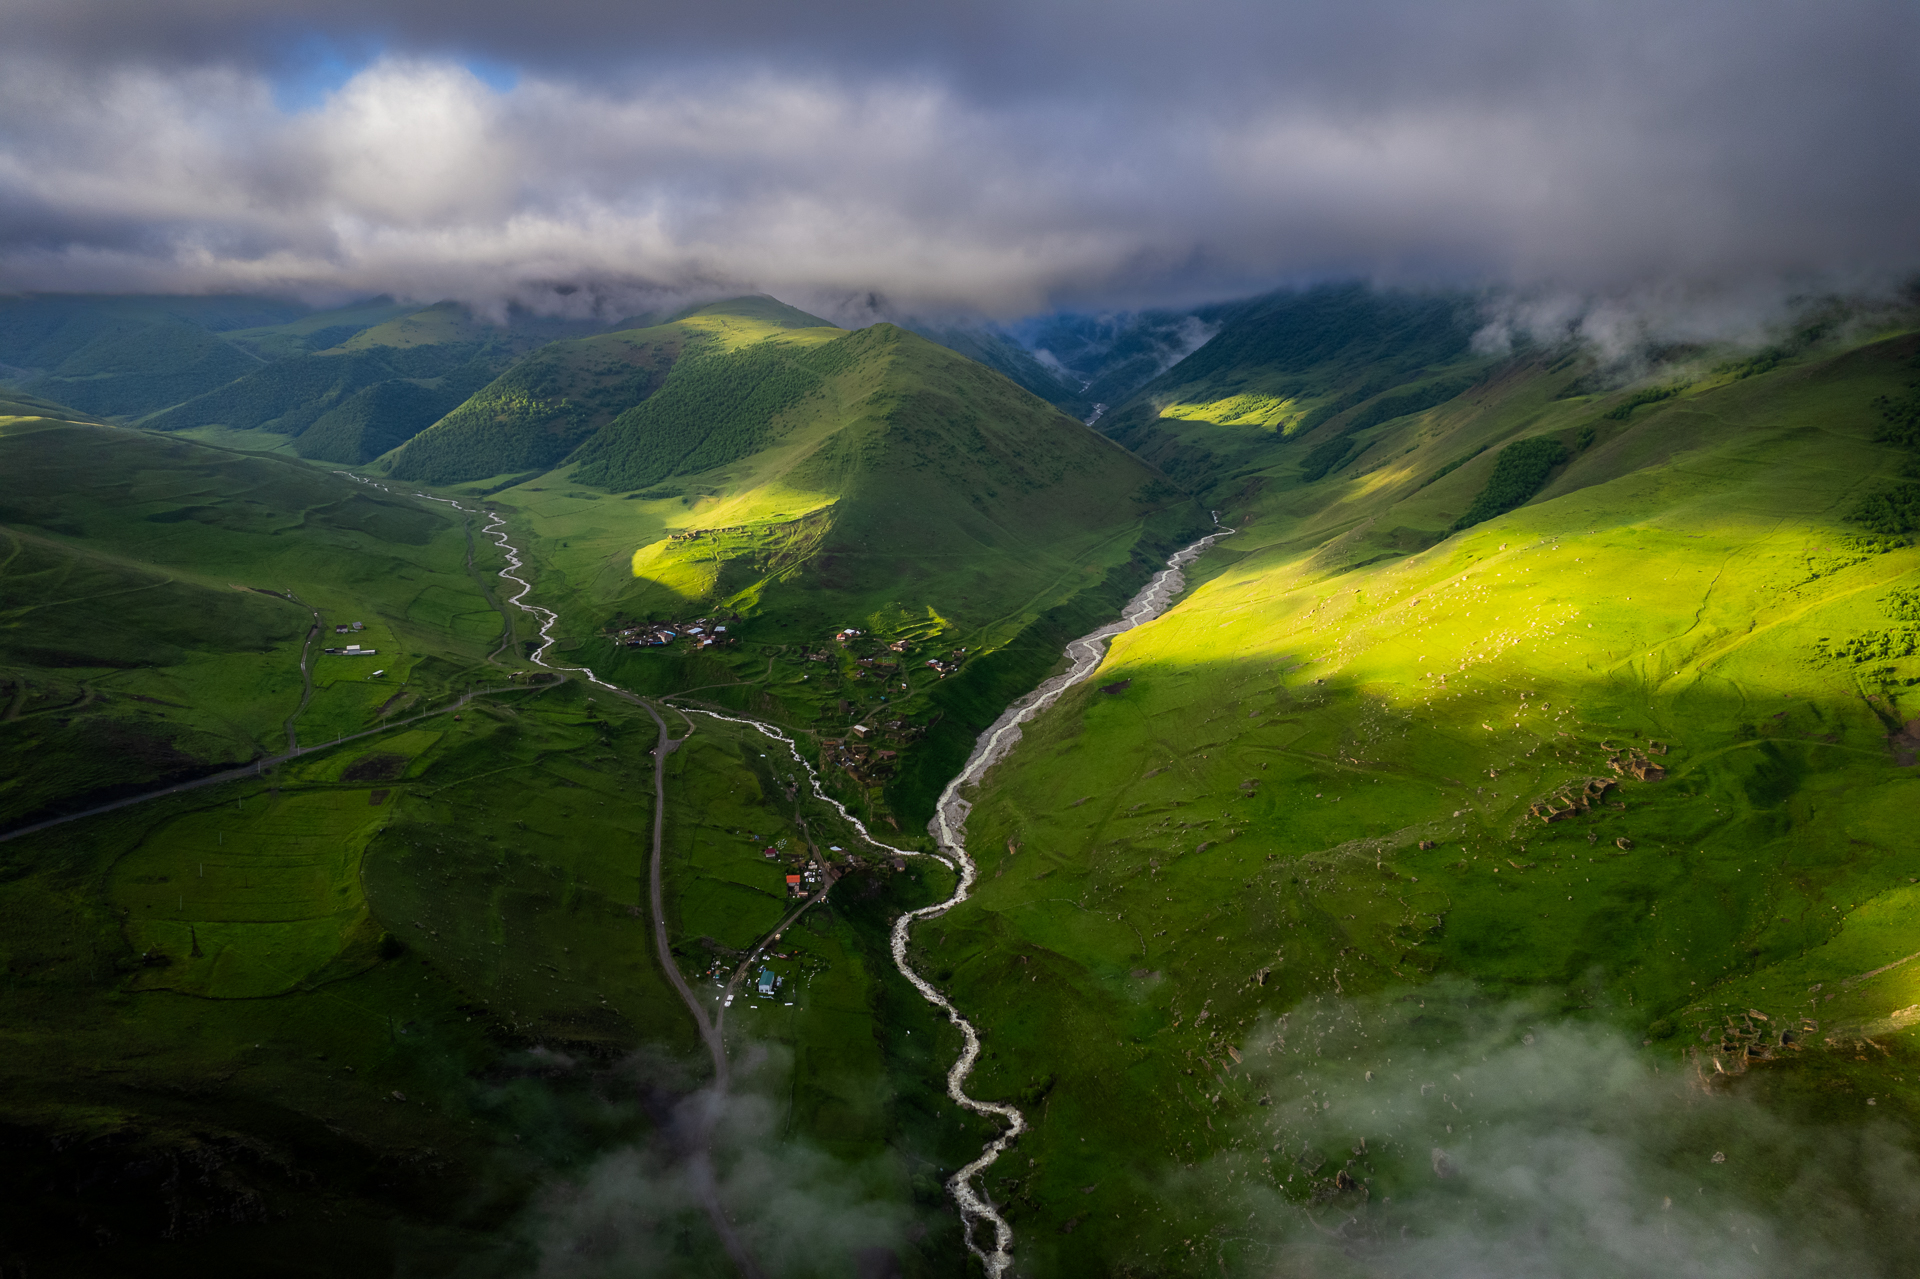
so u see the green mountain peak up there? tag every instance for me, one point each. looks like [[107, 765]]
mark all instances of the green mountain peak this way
[[761, 309]]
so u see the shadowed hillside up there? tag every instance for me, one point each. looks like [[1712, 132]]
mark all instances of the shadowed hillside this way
[[1636, 746]]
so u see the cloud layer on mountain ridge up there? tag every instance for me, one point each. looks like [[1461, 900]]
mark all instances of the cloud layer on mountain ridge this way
[[979, 158]]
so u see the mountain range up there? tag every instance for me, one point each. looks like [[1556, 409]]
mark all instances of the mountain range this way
[[1537, 705]]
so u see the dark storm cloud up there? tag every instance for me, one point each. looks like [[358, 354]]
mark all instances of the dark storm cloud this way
[[994, 156]]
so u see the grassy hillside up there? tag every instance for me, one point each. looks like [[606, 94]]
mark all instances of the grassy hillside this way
[[20, 404], [1627, 761], [540, 410], [796, 481], [119, 357], [319, 330], [1315, 367], [258, 973], [145, 630], [371, 387]]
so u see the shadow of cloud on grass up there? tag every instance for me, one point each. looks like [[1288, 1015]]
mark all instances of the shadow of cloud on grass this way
[[800, 1210], [1440, 1133]]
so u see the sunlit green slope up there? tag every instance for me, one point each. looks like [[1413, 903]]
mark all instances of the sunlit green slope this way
[[1641, 749]]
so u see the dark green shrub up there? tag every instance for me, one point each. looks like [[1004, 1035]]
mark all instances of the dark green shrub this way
[[1519, 472], [1652, 395], [1324, 457]]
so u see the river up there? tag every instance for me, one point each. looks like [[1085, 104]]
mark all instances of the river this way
[[949, 832]]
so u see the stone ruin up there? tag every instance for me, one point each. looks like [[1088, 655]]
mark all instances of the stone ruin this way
[[1571, 800]]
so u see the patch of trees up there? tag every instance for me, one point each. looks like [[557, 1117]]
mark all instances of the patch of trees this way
[[1900, 418], [1335, 327], [284, 397], [1415, 399], [1891, 511], [1652, 395], [1873, 646], [527, 419], [1325, 457], [1453, 466], [1896, 510], [1372, 411], [1520, 471], [1764, 361], [377, 418]]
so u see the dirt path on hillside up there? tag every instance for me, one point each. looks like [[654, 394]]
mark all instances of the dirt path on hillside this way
[[306, 668]]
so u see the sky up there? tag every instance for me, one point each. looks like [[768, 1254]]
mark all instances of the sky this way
[[997, 158]]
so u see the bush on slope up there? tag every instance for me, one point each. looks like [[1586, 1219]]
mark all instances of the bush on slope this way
[[1520, 471]]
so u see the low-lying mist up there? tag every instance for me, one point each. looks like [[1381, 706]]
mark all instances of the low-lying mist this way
[[1439, 1133], [797, 1209]]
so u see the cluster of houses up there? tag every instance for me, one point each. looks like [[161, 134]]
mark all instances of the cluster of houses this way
[[695, 534], [949, 666], [865, 764], [702, 633], [803, 877], [351, 650], [805, 882]]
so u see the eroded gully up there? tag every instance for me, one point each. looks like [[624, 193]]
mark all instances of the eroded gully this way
[[949, 831]]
